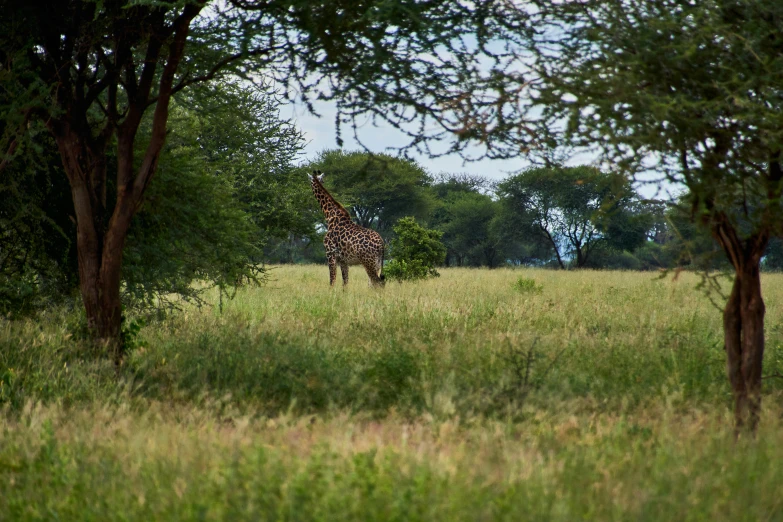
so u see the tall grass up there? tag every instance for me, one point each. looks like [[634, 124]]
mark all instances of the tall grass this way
[[108, 463], [600, 395]]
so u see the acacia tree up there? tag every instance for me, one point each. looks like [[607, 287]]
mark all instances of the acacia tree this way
[[690, 90], [575, 210], [223, 186], [467, 220], [91, 70]]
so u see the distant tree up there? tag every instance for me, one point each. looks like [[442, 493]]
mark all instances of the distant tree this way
[[463, 197], [467, 224], [91, 71], [685, 243], [295, 248], [576, 210], [379, 189], [519, 240], [446, 184]]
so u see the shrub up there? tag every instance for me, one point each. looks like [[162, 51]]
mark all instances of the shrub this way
[[415, 251], [527, 285]]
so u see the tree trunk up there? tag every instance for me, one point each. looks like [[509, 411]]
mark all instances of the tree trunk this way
[[743, 323], [554, 246], [98, 245]]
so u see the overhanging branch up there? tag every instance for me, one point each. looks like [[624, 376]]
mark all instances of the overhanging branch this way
[[210, 75]]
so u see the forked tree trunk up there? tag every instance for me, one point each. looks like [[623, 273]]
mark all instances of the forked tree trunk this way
[[743, 324], [99, 244], [101, 232]]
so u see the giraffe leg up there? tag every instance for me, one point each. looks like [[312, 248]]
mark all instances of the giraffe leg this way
[[344, 270], [379, 270], [332, 269], [372, 273]]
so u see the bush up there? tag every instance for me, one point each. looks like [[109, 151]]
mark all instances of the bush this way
[[526, 285], [415, 252]]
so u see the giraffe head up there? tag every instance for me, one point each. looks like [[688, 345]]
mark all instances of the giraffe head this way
[[317, 182], [333, 211]]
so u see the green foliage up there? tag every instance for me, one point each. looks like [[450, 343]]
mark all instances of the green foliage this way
[[527, 285], [129, 333], [224, 187], [676, 241], [576, 210], [447, 185], [190, 228], [468, 221], [696, 86], [37, 234], [244, 140], [609, 258], [415, 252], [379, 189], [518, 241]]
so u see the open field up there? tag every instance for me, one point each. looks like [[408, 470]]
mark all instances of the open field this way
[[583, 395]]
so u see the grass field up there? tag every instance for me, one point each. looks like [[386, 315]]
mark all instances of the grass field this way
[[480, 395]]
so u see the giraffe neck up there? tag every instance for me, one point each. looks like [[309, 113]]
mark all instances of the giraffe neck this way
[[333, 211]]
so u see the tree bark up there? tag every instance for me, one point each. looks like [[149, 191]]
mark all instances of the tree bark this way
[[101, 233], [554, 246], [99, 260], [580, 259], [743, 324]]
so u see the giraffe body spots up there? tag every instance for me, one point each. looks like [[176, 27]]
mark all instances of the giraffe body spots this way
[[347, 243]]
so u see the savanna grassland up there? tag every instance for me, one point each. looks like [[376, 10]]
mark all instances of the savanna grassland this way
[[480, 395]]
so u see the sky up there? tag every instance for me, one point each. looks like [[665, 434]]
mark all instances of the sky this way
[[320, 135]]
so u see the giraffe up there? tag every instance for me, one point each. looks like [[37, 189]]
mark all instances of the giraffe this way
[[345, 242]]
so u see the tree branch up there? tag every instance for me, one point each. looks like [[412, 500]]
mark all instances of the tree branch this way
[[14, 144], [185, 82], [727, 237], [10, 152], [181, 27]]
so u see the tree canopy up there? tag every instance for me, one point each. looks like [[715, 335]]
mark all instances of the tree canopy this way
[[690, 91], [575, 210], [224, 189]]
